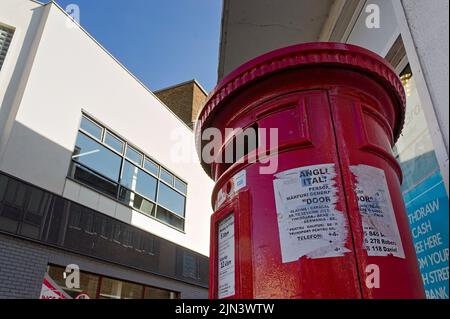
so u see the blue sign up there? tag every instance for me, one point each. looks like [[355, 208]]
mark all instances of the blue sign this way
[[428, 210]]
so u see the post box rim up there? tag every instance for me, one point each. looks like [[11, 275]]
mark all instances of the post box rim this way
[[305, 54]]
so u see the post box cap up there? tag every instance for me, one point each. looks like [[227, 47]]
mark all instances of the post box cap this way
[[305, 55]]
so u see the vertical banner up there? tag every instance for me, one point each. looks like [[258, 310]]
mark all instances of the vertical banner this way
[[428, 209]]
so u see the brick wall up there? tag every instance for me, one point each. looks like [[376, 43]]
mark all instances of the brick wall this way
[[22, 269], [185, 100]]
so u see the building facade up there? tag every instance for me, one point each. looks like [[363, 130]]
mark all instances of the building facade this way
[[90, 171], [413, 37]]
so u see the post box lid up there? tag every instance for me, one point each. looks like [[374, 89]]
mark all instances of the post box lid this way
[[302, 55]]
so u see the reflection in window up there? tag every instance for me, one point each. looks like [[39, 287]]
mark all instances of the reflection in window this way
[[90, 127], [96, 157], [190, 266], [136, 201], [171, 199], [134, 156], [138, 181], [151, 166], [103, 161], [116, 289], [166, 176], [114, 142], [100, 287], [170, 218], [155, 293], [180, 186], [88, 283], [414, 149]]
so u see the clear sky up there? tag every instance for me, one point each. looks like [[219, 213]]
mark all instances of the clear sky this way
[[162, 42]]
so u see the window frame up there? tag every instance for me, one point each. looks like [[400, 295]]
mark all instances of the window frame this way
[[141, 166]]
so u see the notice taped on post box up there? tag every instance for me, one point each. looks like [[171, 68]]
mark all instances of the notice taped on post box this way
[[309, 223], [381, 235], [226, 262]]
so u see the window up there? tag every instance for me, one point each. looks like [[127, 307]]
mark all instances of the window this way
[[114, 142], [190, 265], [151, 166], [180, 186], [100, 287], [108, 164], [91, 128], [5, 41], [171, 199], [137, 180], [134, 156], [166, 176], [136, 201], [97, 157]]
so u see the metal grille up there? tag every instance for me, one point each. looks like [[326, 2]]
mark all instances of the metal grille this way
[[5, 40]]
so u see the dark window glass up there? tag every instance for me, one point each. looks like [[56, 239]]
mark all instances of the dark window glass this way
[[138, 181], [75, 216], [128, 238], [97, 157], [155, 293], [114, 142], [88, 282], [190, 266], [106, 228], [3, 184], [88, 221], [181, 186], [151, 166], [171, 199], [148, 245], [170, 218], [34, 202], [38, 203], [117, 232], [134, 156], [166, 176], [131, 291], [95, 180], [15, 194], [136, 201], [90, 127]]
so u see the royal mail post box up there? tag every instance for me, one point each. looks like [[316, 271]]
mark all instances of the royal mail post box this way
[[312, 208]]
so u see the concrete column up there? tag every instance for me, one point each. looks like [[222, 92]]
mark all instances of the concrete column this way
[[424, 28]]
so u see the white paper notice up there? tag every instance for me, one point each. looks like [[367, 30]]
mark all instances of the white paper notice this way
[[240, 180], [226, 265], [381, 235], [308, 221]]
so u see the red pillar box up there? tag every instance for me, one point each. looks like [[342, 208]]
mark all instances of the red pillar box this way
[[309, 206]]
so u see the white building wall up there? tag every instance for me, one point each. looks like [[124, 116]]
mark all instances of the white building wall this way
[[15, 68], [71, 73]]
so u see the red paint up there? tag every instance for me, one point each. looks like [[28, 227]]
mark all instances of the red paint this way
[[333, 103]]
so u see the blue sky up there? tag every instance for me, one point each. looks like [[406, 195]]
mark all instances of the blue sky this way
[[162, 42]]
